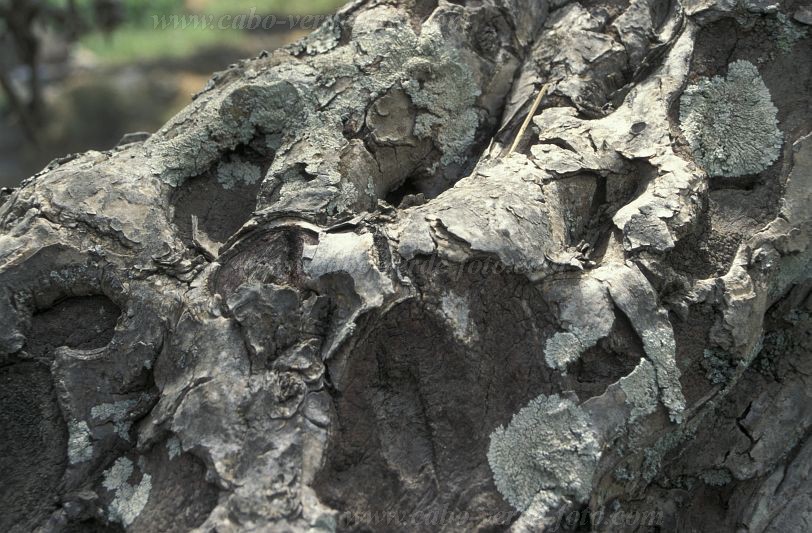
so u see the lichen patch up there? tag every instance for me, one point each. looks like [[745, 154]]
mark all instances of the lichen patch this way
[[731, 123]]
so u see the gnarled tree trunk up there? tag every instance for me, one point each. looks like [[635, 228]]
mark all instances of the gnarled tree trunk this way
[[354, 287]]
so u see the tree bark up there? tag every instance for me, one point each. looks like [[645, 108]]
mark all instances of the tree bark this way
[[351, 287]]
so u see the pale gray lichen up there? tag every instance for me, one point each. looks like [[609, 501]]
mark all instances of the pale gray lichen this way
[[323, 39], [636, 298], [117, 413], [129, 500], [233, 173], [80, 447], [173, 447], [112, 411], [443, 88], [562, 349], [200, 134], [640, 388], [118, 474], [457, 312], [653, 457], [731, 123], [717, 477], [585, 312], [548, 447]]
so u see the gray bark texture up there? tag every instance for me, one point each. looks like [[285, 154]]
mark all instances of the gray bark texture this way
[[331, 294]]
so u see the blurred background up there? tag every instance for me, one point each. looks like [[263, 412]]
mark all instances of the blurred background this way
[[76, 75]]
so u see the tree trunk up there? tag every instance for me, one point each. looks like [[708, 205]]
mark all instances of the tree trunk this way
[[506, 265]]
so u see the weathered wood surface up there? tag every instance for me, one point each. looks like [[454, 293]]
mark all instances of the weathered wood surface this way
[[318, 296]]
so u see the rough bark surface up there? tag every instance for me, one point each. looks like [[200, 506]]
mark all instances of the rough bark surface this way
[[329, 296]]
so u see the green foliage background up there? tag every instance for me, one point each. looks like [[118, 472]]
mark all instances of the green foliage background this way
[[137, 39]]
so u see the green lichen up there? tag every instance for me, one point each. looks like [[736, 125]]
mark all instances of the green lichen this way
[[653, 457], [548, 446], [718, 367], [716, 477], [731, 123], [776, 344], [622, 473], [783, 32], [797, 315]]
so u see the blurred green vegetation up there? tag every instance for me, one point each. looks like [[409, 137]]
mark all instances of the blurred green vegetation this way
[[142, 10], [276, 7], [137, 39], [133, 43]]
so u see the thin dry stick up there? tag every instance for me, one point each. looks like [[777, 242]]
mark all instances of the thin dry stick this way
[[529, 117]]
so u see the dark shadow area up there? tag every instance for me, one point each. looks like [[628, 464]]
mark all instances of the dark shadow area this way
[[83, 323], [33, 447]]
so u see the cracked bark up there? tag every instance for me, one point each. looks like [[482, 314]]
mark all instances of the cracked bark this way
[[309, 301]]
